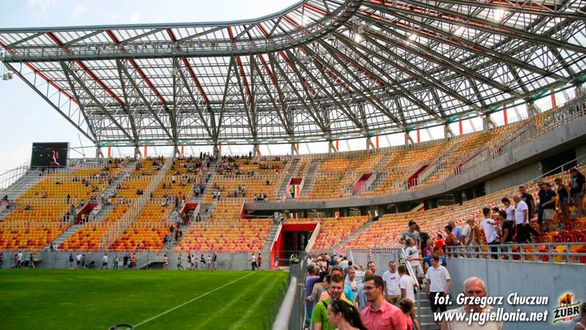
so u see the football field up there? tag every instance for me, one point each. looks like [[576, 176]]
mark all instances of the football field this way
[[96, 299]]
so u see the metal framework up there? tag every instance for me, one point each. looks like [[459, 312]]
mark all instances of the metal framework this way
[[317, 71]]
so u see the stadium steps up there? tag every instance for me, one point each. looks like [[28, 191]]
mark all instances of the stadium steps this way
[[310, 177], [209, 174], [355, 234], [441, 161], [5, 211], [102, 213], [426, 316], [24, 183], [270, 238], [64, 236], [293, 169], [378, 169], [120, 178], [122, 225]]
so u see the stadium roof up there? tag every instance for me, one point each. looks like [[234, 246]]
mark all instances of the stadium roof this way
[[319, 70]]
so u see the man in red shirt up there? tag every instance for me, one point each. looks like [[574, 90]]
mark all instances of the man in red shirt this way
[[379, 314]]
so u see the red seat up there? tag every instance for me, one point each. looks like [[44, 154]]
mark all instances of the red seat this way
[[568, 237]]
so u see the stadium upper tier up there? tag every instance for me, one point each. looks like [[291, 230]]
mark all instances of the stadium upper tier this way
[[318, 71]]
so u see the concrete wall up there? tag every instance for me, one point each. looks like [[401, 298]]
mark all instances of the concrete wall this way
[[514, 178], [226, 261], [526, 279], [581, 151]]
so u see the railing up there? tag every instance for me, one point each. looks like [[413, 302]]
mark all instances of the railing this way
[[414, 278], [292, 312], [11, 176], [562, 252], [128, 218], [536, 126], [284, 176]]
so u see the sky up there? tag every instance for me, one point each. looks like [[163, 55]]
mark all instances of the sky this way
[[26, 118]]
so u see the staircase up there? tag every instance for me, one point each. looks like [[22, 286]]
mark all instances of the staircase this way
[[102, 213], [6, 211], [310, 176], [123, 175], [293, 169], [130, 216], [270, 238], [378, 170], [336, 248], [440, 163], [64, 236], [425, 315], [24, 183]]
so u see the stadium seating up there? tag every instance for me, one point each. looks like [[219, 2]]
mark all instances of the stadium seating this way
[[226, 232], [39, 216], [148, 231], [387, 231]]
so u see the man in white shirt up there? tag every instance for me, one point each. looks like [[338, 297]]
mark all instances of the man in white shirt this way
[[473, 287], [407, 284], [438, 285], [253, 262], [392, 279], [105, 261], [521, 219], [467, 232], [413, 258], [490, 231]]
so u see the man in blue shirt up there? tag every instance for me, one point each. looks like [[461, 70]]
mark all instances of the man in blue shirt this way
[[427, 260]]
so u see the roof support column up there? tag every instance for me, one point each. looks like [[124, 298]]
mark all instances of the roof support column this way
[[487, 122], [294, 149], [137, 153], [331, 147], [99, 153], [408, 139], [369, 144], [532, 109], [448, 133], [256, 150], [217, 149], [580, 90]]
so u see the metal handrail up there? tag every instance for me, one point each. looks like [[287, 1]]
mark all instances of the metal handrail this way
[[414, 278], [538, 252], [282, 320]]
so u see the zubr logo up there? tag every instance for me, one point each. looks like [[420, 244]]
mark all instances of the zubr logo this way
[[566, 311]]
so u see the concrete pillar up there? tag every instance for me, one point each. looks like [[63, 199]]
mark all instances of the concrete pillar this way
[[532, 109], [99, 153], [137, 153], [217, 149], [580, 90], [408, 139], [487, 123], [369, 144], [448, 133], [256, 150], [331, 147], [294, 149]]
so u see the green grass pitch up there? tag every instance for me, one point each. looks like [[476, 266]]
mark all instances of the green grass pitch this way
[[95, 299]]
